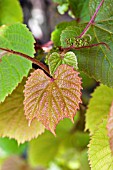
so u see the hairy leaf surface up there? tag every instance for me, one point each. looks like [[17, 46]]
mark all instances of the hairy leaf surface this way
[[51, 99], [13, 68], [12, 120], [56, 59], [10, 12], [99, 107], [97, 62], [110, 127], [99, 150]]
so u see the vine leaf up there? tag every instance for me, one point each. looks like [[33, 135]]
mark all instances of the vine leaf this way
[[51, 99], [99, 107], [55, 36], [99, 150], [10, 13], [69, 34], [110, 127], [56, 59], [97, 62], [13, 123], [13, 68]]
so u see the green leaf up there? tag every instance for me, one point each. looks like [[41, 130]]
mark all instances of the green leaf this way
[[10, 146], [87, 82], [44, 149], [55, 36], [56, 59], [63, 8], [97, 62], [13, 123], [80, 9], [71, 158], [110, 127], [50, 100], [99, 107], [10, 12], [80, 139], [99, 150], [60, 1], [69, 35], [13, 68]]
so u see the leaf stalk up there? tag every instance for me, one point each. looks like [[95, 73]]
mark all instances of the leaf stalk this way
[[92, 20], [33, 60]]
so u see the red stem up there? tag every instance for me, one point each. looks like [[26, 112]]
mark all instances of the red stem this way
[[88, 46], [92, 20], [33, 60]]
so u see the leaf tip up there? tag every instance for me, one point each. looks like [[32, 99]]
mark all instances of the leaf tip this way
[[72, 119], [53, 132], [29, 122]]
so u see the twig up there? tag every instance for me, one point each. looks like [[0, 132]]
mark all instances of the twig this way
[[33, 60], [92, 20], [88, 46], [45, 47]]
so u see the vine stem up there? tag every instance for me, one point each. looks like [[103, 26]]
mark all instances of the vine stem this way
[[92, 20], [33, 60], [88, 46], [46, 47]]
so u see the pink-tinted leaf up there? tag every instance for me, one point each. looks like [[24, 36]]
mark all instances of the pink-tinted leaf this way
[[110, 127], [51, 99]]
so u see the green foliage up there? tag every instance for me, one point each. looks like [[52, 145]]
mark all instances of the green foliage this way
[[99, 149], [76, 9], [55, 93], [47, 148], [99, 107], [10, 146], [56, 59], [60, 1], [97, 62], [68, 37], [13, 68], [10, 13], [87, 82], [80, 9], [12, 120], [73, 159], [55, 36], [44, 149], [63, 8]]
